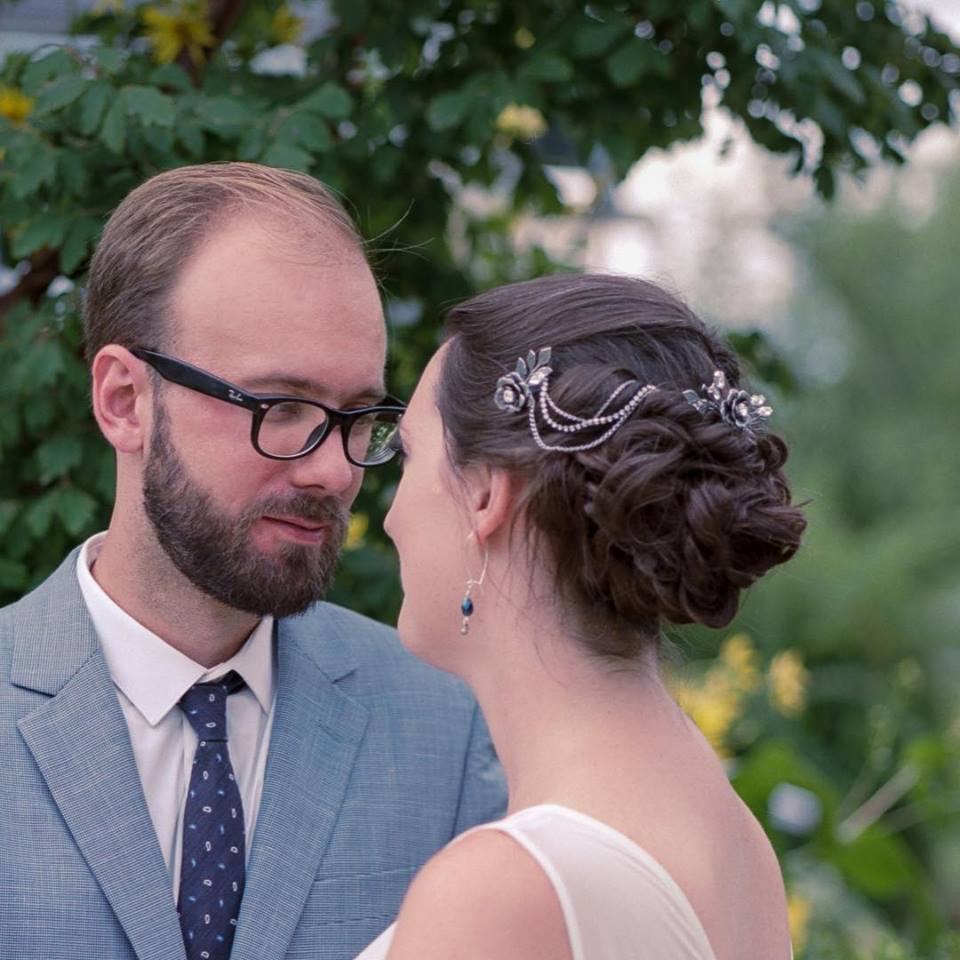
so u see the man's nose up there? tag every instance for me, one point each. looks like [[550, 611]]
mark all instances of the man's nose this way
[[326, 467]]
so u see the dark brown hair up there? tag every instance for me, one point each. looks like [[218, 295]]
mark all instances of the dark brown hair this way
[[158, 226], [669, 519]]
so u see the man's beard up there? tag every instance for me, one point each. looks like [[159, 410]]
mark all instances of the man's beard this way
[[216, 552]]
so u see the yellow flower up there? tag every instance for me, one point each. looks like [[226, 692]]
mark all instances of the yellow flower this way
[[356, 531], [14, 105], [186, 28], [788, 683], [798, 915], [524, 39], [286, 26], [739, 655], [521, 122]]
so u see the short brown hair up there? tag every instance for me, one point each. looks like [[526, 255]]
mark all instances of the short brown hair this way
[[160, 224], [666, 521]]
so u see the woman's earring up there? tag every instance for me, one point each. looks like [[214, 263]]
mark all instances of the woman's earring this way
[[466, 605]]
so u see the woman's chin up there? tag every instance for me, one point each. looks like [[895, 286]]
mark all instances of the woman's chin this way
[[425, 644]]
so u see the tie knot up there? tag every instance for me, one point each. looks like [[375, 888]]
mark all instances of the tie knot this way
[[205, 705]]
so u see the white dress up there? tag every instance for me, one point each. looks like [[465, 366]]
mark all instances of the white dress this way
[[618, 902]]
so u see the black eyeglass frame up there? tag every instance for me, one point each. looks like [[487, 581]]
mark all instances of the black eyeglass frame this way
[[193, 378]]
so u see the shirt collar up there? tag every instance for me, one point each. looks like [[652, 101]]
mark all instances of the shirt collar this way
[[154, 675]]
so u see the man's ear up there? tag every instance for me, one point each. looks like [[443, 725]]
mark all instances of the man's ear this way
[[491, 499], [121, 394]]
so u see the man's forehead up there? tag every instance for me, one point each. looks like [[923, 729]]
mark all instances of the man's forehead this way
[[269, 318]]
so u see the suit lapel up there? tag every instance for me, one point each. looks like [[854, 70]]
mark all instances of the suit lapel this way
[[81, 745], [317, 731]]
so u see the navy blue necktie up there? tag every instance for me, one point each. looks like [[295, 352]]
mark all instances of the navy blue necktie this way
[[212, 865]]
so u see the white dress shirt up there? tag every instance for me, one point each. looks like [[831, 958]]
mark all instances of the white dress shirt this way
[[151, 677]]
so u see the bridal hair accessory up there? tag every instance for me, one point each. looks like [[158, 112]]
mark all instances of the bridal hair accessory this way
[[734, 406], [529, 386], [466, 605]]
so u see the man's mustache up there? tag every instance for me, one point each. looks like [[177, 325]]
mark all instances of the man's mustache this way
[[324, 510]]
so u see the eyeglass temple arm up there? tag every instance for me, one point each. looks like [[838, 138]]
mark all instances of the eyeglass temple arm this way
[[187, 375]]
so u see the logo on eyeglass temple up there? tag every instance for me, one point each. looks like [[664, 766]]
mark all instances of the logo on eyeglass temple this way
[[235, 395]]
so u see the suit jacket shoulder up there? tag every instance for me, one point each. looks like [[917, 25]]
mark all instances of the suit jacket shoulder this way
[[341, 641]]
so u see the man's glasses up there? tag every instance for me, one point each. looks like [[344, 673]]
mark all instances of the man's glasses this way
[[285, 428]]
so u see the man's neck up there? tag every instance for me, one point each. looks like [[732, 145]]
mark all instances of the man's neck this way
[[146, 585]]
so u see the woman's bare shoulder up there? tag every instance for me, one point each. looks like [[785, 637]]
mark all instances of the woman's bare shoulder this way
[[483, 896]]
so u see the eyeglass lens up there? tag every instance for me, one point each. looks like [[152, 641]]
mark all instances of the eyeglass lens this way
[[290, 427]]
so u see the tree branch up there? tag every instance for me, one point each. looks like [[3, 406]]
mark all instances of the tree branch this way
[[223, 15], [44, 268]]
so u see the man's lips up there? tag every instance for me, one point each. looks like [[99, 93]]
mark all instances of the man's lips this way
[[298, 528]]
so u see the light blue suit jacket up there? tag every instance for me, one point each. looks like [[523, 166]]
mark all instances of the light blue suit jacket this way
[[375, 762]]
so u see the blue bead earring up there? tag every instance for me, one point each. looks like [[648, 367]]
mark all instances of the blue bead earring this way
[[466, 605]]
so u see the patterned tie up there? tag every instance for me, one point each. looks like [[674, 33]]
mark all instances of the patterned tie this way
[[212, 864]]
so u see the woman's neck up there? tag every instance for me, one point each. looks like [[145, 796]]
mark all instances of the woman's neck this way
[[563, 722]]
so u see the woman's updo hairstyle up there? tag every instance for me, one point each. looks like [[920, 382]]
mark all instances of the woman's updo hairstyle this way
[[671, 517]]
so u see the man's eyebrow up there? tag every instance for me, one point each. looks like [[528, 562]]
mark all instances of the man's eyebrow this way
[[311, 389]]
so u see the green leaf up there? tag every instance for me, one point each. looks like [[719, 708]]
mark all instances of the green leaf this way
[[352, 14], [58, 456], [40, 412], [77, 241], [92, 106], [109, 59], [45, 231], [331, 100], [8, 510], [38, 72], [171, 75], [547, 67], [39, 514], [879, 864], [448, 110], [190, 134], [595, 39], [252, 142], [734, 9], [59, 94], [42, 170], [307, 130], [630, 62], [830, 117], [150, 106], [74, 172], [75, 509], [223, 113], [289, 156], [114, 130], [839, 76], [13, 575], [38, 369]]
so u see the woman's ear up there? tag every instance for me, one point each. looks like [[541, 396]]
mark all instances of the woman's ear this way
[[491, 499], [121, 391]]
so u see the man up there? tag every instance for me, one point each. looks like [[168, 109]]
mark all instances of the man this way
[[189, 769]]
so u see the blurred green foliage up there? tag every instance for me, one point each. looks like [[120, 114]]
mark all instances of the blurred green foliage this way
[[400, 107], [871, 605], [406, 109]]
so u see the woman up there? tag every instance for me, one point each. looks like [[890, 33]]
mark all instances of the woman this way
[[555, 512]]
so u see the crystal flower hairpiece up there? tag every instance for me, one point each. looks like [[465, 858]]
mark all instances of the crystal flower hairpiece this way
[[733, 406], [528, 386]]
